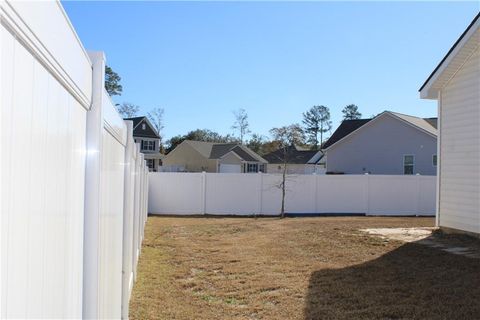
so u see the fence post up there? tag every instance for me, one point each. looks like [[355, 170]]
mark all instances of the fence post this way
[[127, 221], [316, 192], [136, 209], [260, 196], [93, 190], [204, 192], [419, 196], [367, 192]]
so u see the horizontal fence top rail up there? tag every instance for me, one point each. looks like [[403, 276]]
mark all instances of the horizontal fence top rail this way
[[53, 41]]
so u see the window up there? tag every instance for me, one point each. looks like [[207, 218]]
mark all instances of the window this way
[[150, 164], [261, 168], [148, 145], [144, 126], [434, 160], [408, 164], [252, 167]]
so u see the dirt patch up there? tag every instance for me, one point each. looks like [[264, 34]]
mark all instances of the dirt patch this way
[[298, 268], [401, 234], [426, 236]]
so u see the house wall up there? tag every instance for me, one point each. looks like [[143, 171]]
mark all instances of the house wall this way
[[230, 158], [157, 144], [459, 180], [378, 148], [291, 168], [186, 156]]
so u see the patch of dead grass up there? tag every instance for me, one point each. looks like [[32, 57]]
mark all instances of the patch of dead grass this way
[[297, 268]]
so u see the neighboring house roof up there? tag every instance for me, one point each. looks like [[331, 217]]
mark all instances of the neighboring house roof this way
[[295, 155], [214, 150], [349, 127], [432, 121], [149, 131], [461, 50], [221, 149], [418, 122], [318, 158], [345, 128]]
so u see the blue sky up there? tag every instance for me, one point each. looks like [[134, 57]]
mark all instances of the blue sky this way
[[202, 60]]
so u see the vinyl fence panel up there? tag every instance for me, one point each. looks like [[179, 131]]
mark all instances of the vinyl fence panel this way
[[260, 194], [177, 193], [43, 142], [234, 193], [69, 201]]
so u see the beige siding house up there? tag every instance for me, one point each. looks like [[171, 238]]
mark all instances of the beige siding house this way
[[455, 83], [198, 156]]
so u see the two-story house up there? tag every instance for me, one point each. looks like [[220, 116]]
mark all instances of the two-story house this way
[[145, 134]]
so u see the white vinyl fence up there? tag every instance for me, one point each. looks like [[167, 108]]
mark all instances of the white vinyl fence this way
[[73, 183], [260, 194]]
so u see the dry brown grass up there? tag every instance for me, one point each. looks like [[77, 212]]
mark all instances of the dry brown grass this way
[[297, 268]]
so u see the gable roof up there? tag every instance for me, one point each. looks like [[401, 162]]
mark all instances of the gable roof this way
[[149, 131], [418, 122], [349, 127], [461, 50], [432, 121], [295, 155], [215, 150], [345, 128]]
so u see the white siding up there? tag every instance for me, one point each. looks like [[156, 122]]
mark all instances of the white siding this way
[[459, 206]]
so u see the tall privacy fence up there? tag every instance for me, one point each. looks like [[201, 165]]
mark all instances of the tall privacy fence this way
[[74, 185], [260, 194]]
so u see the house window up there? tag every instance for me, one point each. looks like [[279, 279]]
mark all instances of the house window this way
[[148, 145], [408, 164], [144, 126], [261, 168], [252, 167], [434, 160], [150, 164]]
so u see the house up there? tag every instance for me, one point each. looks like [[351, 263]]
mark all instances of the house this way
[[145, 134], [198, 156], [455, 83], [299, 160], [390, 143]]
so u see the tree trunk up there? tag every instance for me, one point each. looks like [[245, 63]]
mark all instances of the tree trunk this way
[[282, 210]]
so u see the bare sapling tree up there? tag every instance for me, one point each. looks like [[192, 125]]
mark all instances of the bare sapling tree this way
[[287, 137], [156, 118], [127, 110], [241, 123]]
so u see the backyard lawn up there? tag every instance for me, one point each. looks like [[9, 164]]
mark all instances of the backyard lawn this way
[[299, 268]]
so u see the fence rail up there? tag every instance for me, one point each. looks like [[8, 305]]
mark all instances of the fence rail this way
[[260, 194], [74, 184]]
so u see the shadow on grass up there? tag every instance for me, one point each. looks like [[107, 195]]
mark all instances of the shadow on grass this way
[[411, 282]]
